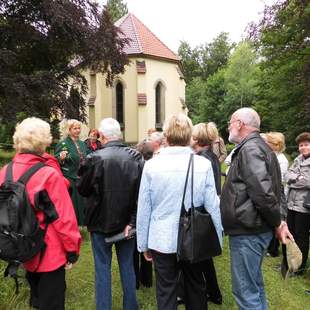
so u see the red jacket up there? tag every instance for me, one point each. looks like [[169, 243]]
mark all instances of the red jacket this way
[[62, 235], [53, 162]]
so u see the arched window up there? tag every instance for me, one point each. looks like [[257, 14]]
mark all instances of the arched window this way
[[120, 103], [159, 105]]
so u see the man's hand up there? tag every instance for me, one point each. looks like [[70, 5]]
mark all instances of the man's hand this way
[[148, 256], [127, 229], [282, 233]]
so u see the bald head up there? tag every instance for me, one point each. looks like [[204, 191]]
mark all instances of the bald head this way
[[248, 116], [242, 123]]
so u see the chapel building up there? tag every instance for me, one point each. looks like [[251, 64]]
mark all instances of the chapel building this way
[[151, 88]]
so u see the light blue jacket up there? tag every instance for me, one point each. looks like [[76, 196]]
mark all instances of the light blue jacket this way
[[160, 198]]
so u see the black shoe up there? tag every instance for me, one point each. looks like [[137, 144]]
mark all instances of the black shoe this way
[[307, 292], [218, 300]]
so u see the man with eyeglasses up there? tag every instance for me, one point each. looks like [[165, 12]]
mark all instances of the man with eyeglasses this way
[[250, 207]]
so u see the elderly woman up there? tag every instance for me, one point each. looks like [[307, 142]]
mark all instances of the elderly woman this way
[[159, 207], [298, 198], [276, 141], [201, 142], [218, 145], [46, 189], [92, 142], [71, 152]]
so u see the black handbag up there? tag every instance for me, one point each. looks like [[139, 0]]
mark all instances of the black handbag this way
[[197, 237]]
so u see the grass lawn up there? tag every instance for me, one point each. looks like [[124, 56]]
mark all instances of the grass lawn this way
[[281, 294]]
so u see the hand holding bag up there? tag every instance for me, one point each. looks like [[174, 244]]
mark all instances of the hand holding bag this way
[[197, 237]]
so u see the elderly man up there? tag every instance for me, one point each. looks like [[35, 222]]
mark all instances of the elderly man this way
[[250, 207], [110, 179], [156, 139]]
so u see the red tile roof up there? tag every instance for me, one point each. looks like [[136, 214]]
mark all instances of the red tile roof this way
[[143, 41]]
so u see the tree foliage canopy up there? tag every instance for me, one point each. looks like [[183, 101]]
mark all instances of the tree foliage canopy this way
[[117, 9], [270, 71], [44, 47], [283, 39]]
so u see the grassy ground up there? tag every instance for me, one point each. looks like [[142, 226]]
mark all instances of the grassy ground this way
[[281, 294]]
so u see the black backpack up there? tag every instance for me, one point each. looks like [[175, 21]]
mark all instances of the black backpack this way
[[21, 237]]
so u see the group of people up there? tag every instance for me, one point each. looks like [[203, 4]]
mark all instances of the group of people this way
[[116, 189]]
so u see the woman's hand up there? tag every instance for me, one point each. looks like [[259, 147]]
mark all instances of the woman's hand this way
[[148, 256], [63, 155], [68, 266]]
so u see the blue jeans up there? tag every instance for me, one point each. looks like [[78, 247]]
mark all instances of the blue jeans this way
[[103, 256], [246, 255]]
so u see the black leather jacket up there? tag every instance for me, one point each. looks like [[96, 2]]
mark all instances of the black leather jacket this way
[[250, 201], [110, 178]]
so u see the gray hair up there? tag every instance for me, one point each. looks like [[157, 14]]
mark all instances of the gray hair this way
[[157, 137], [32, 135], [249, 117], [110, 128]]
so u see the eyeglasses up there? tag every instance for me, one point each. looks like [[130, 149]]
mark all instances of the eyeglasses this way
[[231, 122]]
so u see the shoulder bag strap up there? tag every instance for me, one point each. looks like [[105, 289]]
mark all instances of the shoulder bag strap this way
[[185, 185], [9, 172], [30, 172]]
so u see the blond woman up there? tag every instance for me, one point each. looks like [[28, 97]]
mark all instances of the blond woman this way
[[71, 152]]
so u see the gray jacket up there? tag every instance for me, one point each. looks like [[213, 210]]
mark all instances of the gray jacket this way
[[298, 181]]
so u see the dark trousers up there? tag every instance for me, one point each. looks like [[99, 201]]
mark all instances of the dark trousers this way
[[273, 248], [143, 270], [209, 274], [299, 225], [47, 289], [167, 271]]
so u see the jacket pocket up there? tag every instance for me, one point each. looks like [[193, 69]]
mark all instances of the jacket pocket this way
[[247, 215]]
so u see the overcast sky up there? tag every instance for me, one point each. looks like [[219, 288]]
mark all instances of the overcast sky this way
[[196, 21]]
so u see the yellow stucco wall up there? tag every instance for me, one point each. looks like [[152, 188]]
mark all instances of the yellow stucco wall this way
[[138, 118]]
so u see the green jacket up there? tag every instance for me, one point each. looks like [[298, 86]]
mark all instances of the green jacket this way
[[70, 166]]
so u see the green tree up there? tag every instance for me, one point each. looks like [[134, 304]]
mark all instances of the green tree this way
[[117, 9], [241, 78], [199, 65], [205, 60], [282, 37], [190, 60], [44, 47], [212, 103], [215, 55]]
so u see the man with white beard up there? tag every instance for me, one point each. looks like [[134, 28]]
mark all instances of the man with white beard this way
[[250, 207]]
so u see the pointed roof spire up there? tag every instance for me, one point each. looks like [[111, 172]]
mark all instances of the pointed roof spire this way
[[143, 41]]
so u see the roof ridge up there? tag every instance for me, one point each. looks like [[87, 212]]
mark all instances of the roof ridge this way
[[136, 32], [121, 20], [132, 15]]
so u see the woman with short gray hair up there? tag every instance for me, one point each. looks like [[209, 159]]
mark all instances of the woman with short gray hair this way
[[47, 191]]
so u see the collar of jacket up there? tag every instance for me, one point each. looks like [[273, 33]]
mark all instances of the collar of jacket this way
[[204, 152], [119, 143], [28, 158], [176, 150], [302, 161], [253, 135]]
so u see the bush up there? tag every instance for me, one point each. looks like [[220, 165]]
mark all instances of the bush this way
[[5, 157]]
